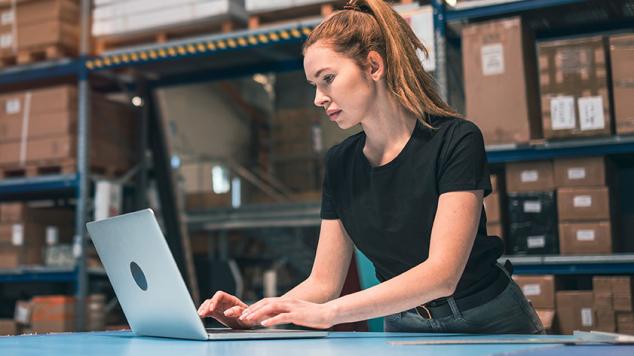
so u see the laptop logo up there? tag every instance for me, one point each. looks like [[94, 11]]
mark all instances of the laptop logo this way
[[138, 275]]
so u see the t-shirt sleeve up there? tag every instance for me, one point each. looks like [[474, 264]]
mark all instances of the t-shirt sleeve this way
[[464, 165], [328, 207]]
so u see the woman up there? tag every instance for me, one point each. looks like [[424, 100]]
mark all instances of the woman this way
[[407, 191]]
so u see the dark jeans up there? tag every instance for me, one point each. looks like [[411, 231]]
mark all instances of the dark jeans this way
[[508, 313]]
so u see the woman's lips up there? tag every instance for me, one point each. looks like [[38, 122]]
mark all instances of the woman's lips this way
[[334, 115]]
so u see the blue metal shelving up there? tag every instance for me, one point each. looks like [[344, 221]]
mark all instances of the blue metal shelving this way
[[38, 185], [504, 9]]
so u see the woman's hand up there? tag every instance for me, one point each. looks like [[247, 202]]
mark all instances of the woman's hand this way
[[225, 308], [274, 311]]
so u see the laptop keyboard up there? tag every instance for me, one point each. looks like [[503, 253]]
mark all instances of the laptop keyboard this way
[[238, 331]]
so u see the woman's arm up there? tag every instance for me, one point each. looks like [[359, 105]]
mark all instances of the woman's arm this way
[[334, 252], [452, 236]]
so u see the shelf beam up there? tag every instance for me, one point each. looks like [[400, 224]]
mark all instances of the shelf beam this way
[[504, 9]]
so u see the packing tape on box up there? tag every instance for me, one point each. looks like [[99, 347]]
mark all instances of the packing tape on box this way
[[25, 127]]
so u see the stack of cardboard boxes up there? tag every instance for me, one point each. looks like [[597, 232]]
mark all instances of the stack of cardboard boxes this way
[[492, 209], [31, 26], [25, 232], [500, 81], [540, 291], [296, 144], [38, 132], [622, 60], [575, 311], [56, 313], [532, 208], [614, 304], [573, 77], [583, 199], [199, 188]]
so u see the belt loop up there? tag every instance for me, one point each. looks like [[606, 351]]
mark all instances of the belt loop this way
[[454, 307]]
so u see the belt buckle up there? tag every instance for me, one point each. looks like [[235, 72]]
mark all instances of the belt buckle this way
[[427, 312]]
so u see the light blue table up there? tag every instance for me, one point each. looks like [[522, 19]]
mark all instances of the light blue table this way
[[339, 343]]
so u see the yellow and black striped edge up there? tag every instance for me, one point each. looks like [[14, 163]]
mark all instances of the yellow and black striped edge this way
[[198, 47]]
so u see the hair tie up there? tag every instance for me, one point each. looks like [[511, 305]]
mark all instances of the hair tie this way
[[356, 7]]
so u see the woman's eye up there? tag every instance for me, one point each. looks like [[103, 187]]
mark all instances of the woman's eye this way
[[329, 78]]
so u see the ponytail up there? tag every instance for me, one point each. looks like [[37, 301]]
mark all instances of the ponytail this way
[[373, 25]]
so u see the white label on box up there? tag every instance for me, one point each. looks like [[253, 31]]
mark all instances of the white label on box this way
[[529, 176], [576, 173], [532, 206], [562, 113], [532, 289], [22, 314], [582, 201], [12, 106], [6, 40], [536, 241], [586, 317], [492, 59], [585, 235], [52, 235], [7, 17], [17, 234], [591, 113], [108, 198]]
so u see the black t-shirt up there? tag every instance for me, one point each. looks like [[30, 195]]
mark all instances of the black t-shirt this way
[[389, 210]]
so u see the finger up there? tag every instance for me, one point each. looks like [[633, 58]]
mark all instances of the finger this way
[[284, 318], [203, 308], [267, 310], [234, 311], [255, 307]]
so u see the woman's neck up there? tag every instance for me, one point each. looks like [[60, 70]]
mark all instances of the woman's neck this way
[[387, 130]]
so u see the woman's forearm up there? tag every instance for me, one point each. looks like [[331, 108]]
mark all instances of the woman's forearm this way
[[312, 291], [419, 285]]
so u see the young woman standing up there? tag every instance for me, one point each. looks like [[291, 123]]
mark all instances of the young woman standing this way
[[407, 191]]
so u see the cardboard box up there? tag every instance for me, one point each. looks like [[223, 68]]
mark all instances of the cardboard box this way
[[537, 176], [495, 229], [585, 238], [533, 225], [621, 289], [492, 208], [575, 311], [580, 172], [500, 81], [32, 12], [574, 87], [53, 314], [23, 212], [540, 290], [43, 101], [583, 204], [622, 57], [547, 317], [21, 244], [625, 323], [8, 327], [494, 183]]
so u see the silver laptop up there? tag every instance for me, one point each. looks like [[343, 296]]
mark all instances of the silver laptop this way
[[150, 288]]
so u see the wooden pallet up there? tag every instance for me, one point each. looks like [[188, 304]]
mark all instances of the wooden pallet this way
[[298, 12], [54, 167], [36, 54], [106, 43]]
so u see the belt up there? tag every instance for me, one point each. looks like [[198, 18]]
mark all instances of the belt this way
[[440, 309]]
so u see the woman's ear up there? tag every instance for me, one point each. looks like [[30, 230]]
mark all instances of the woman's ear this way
[[376, 65]]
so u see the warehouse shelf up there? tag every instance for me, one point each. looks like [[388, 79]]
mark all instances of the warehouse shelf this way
[[490, 8], [570, 148], [561, 265], [272, 48], [40, 71], [260, 216], [38, 187], [45, 274]]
